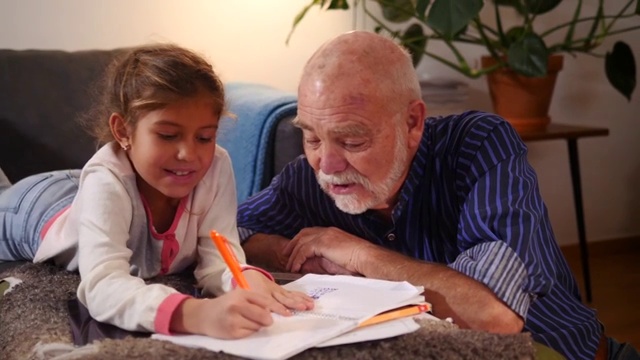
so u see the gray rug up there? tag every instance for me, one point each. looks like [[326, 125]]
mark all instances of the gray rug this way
[[34, 324]]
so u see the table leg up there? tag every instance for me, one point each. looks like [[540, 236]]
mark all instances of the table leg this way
[[577, 198]]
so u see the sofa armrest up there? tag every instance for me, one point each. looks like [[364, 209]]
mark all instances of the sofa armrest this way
[[42, 94], [287, 146], [260, 139]]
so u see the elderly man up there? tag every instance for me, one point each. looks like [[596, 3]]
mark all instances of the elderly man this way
[[448, 203]]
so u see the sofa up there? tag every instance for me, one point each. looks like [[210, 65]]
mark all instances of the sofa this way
[[42, 93]]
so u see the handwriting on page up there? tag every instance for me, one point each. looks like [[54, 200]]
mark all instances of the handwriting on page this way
[[318, 292]]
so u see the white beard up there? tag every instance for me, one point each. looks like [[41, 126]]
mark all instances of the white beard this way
[[378, 193]]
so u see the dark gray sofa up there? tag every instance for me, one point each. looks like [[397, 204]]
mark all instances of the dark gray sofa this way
[[42, 92]]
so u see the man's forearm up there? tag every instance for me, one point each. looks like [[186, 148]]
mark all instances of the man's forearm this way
[[265, 251], [468, 302]]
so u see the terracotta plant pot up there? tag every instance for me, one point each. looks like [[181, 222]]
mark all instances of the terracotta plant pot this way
[[521, 100]]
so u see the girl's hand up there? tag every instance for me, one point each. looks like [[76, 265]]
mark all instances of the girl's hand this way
[[233, 315], [283, 298]]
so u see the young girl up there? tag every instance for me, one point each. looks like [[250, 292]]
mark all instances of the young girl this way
[[144, 205]]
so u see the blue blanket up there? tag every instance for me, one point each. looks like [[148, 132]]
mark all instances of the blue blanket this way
[[248, 138]]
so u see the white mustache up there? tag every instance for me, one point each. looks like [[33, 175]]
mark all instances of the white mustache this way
[[348, 177]]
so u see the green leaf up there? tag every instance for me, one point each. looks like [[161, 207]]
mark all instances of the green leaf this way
[[421, 8], [528, 56], [338, 4], [514, 35], [301, 15], [448, 17], [538, 7], [530, 7], [397, 11], [620, 67], [415, 41]]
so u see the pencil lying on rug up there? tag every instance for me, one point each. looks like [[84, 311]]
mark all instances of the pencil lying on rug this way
[[397, 313]]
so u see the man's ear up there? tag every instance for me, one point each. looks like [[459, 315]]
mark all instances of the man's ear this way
[[415, 122], [119, 130]]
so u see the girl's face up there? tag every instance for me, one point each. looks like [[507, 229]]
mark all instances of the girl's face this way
[[172, 148]]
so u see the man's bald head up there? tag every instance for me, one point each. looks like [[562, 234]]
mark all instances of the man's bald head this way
[[362, 62]]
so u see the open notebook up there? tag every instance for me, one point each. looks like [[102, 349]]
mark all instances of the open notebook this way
[[341, 304]]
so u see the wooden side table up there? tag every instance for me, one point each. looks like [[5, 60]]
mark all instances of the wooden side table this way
[[571, 134]]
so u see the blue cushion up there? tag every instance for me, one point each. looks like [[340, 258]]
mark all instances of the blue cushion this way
[[249, 138]]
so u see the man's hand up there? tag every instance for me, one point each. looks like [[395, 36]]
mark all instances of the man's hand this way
[[341, 250], [320, 265]]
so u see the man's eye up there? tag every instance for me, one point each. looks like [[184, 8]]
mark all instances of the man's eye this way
[[349, 145], [312, 142]]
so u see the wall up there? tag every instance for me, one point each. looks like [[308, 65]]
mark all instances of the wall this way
[[244, 39], [610, 166]]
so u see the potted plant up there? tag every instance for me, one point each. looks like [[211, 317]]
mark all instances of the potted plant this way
[[519, 58]]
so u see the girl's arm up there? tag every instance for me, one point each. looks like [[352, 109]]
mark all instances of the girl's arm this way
[[103, 212], [211, 272]]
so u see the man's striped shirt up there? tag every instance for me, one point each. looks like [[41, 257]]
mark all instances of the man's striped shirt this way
[[471, 200]]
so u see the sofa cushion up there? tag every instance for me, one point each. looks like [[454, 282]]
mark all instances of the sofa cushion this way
[[43, 92], [260, 139]]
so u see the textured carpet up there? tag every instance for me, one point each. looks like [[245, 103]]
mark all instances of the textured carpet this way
[[34, 324]]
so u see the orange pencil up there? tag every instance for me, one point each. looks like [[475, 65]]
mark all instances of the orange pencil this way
[[230, 258], [397, 314]]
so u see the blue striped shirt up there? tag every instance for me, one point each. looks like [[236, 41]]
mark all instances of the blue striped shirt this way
[[471, 200]]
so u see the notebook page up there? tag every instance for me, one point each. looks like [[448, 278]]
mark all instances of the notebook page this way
[[285, 338], [341, 303], [354, 298]]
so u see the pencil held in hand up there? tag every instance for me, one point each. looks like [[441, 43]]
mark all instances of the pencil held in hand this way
[[230, 258]]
